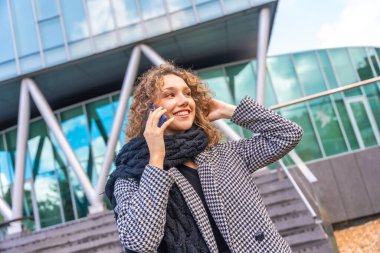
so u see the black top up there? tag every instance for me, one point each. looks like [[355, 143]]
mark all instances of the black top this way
[[192, 176]]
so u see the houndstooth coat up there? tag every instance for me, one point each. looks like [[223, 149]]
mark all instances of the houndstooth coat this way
[[230, 191]]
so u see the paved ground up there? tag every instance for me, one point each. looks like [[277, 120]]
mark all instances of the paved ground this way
[[359, 239]]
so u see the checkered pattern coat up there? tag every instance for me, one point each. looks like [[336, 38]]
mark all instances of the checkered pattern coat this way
[[230, 191]]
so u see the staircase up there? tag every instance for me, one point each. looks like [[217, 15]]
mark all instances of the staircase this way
[[97, 233], [290, 215]]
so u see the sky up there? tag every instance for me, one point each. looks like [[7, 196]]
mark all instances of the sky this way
[[302, 25]]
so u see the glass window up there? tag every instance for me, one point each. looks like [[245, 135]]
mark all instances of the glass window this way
[[7, 62], [100, 119], [26, 37], [24, 26], [372, 55], [6, 46], [347, 124], [242, 81], [11, 139], [51, 33], [100, 16], [363, 123], [183, 18], [361, 63], [176, 5], [6, 176], [216, 82], [74, 127], [308, 148], [125, 12], [208, 9], [308, 73], [344, 70], [74, 19], [327, 125], [283, 78], [327, 69], [152, 8], [115, 104], [41, 155], [46, 9]]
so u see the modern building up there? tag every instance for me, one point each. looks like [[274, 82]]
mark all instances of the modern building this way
[[73, 55]]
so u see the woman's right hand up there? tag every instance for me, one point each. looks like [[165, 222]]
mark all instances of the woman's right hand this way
[[154, 137]]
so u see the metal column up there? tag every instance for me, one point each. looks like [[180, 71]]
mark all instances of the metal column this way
[[22, 137], [262, 45], [53, 125], [129, 78]]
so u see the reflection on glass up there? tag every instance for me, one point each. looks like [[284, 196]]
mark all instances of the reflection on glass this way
[[308, 72], [308, 148], [74, 19], [283, 78], [347, 124], [343, 69], [100, 16], [48, 199], [327, 124], [361, 63], [372, 55], [242, 81], [216, 82], [327, 69], [74, 127], [5, 173], [100, 119], [363, 123], [125, 12]]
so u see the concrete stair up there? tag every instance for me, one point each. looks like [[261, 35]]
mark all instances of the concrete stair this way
[[98, 233], [95, 233], [290, 215]]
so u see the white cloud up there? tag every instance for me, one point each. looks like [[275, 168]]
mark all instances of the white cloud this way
[[357, 25]]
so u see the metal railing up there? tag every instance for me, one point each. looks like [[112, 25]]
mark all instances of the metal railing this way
[[302, 179]]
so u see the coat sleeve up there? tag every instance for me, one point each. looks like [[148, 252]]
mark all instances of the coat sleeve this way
[[141, 209], [273, 135]]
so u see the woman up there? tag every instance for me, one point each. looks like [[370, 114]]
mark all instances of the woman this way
[[176, 188]]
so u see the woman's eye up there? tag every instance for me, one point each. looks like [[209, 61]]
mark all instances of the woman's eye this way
[[188, 94]]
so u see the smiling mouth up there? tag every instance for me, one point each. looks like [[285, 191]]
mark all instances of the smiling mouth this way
[[182, 113]]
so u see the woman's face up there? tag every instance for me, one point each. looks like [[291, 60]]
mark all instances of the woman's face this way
[[175, 97]]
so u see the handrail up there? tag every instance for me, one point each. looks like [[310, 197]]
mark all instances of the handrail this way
[[325, 93]]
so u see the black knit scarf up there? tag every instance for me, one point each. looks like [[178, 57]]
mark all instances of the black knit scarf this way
[[181, 233]]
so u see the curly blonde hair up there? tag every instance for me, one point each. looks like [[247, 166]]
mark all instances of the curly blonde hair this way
[[148, 85]]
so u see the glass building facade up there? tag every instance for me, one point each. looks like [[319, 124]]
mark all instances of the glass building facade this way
[[334, 125], [37, 34]]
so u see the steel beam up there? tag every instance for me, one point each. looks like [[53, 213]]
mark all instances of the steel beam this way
[[262, 45], [126, 91]]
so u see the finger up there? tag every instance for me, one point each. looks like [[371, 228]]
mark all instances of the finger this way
[[149, 120], [167, 123], [157, 115]]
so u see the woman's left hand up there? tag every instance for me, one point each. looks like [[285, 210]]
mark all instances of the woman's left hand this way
[[220, 110]]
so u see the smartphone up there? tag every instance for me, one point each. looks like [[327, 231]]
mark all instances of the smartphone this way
[[163, 118]]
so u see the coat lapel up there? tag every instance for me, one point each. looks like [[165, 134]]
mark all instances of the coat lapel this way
[[197, 209], [213, 198]]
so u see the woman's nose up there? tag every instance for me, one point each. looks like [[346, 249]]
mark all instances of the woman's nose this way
[[183, 101]]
